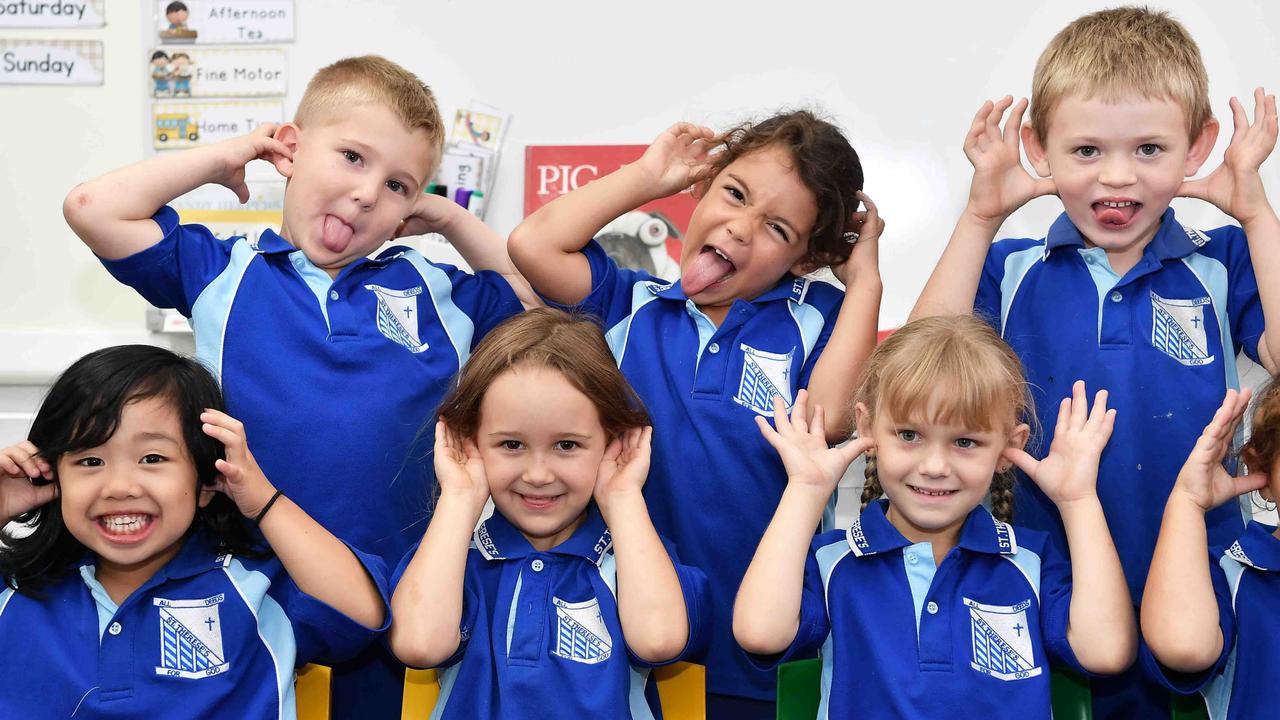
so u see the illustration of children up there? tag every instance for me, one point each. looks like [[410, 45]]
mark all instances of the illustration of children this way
[[160, 72], [182, 73]]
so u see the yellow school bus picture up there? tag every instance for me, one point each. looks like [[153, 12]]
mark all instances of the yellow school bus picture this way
[[176, 126]]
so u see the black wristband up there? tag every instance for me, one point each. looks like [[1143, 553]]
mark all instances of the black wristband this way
[[265, 508]]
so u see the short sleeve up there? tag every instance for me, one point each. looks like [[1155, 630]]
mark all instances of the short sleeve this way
[[611, 286], [1244, 305], [697, 608], [1187, 683], [470, 601], [815, 623], [323, 634], [1055, 607], [173, 272], [829, 300], [486, 297], [987, 301]]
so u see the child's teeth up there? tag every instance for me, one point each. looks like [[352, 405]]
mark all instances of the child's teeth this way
[[1126, 203], [125, 523]]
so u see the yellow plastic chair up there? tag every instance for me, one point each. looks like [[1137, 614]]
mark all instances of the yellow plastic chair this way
[[681, 690]]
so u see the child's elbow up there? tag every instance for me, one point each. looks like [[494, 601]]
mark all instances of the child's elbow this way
[[658, 646], [78, 206], [754, 638], [1184, 657], [418, 649], [1112, 660], [520, 245]]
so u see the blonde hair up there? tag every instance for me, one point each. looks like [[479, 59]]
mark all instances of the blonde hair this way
[[372, 79], [947, 369], [1114, 52]]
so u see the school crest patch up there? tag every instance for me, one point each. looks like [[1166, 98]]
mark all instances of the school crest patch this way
[[764, 375], [398, 316], [191, 638], [1177, 329], [581, 635], [1001, 640]]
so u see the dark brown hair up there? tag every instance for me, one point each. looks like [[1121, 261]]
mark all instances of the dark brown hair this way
[[825, 162], [1260, 452], [573, 345]]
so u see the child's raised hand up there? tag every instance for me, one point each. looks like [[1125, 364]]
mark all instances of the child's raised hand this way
[[865, 258], [625, 465], [242, 480], [1236, 186], [1070, 471], [672, 162], [431, 214], [1202, 478], [20, 466], [459, 468], [802, 445], [239, 151], [1000, 183]]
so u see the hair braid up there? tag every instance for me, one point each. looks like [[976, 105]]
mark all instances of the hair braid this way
[[871, 489], [1002, 496]]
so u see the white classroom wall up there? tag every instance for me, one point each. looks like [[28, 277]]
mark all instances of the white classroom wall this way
[[902, 78]]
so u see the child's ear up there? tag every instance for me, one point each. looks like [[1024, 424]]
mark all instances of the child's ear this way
[[289, 134], [805, 265], [1035, 150], [1017, 441], [1201, 145], [862, 420], [208, 491]]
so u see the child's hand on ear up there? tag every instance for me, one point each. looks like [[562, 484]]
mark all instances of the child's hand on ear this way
[[431, 214], [242, 480], [459, 468], [1000, 182], [1202, 479], [625, 465], [675, 158], [1070, 471], [864, 261], [20, 466], [240, 151], [1236, 186], [809, 461]]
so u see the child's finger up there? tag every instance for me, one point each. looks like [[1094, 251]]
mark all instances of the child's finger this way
[[1239, 122], [1079, 404], [1249, 483], [818, 425], [1064, 416], [1013, 126], [1024, 460], [1099, 409], [852, 449], [800, 412], [230, 472], [771, 436]]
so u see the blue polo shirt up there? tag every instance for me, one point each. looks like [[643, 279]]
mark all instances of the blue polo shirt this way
[[541, 637], [902, 638], [208, 634], [714, 482], [1162, 339], [331, 378], [1246, 583]]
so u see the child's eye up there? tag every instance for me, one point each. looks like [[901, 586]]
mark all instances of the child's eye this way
[[512, 445], [1148, 150], [152, 459], [1086, 151], [966, 443], [351, 155], [734, 193], [396, 186], [89, 462], [566, 445], [781, 231], [908, 435]]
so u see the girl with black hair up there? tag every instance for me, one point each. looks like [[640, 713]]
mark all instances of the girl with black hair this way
[[139, 585]]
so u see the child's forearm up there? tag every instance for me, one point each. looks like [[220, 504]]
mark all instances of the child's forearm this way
[[112, 213], [427, 604], [321, 565], [1263, 233], [651, 603], [546, 246], [953, 285], [1101, 626], [766, 615], [1179, 608], [837, 370], [484, 249]]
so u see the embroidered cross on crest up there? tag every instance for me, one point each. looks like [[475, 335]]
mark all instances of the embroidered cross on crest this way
[[764, 375], [1177, 329], [191, 638], [1001, 640], [581, 635], [398, 316]]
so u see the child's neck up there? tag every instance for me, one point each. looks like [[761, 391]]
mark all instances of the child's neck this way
[[715, 313]]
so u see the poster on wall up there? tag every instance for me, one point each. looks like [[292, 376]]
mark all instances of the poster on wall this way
[[216, 72], [52, 13], [191, 22], [51, 62], [648, 238], [176, 125]]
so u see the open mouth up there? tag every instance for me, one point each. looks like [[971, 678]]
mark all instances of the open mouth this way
[[931, 492], [1115, 213], [539, 502], [125, 528], [711, 266], [335, 234]]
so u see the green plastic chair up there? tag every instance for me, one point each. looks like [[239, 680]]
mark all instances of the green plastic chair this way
[[799, 684]]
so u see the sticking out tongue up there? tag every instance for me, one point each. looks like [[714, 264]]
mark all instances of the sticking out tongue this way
[[706, 269], [1108, 215], [336, 234]]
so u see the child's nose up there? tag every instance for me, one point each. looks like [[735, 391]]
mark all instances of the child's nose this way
[[538, 472], [120, 483], [365, 194], [934, 464], [1117, 171]]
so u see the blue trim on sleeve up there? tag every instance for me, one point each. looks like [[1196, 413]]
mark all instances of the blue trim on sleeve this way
[[1016, 266], [809, 321], [212, 309], [1029, 564], [457, 324], [273, 627], [1213, 276], [619, 334], [447, 678]]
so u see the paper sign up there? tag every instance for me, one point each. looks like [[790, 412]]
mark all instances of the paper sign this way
[[223, 72], [51, 13], [51, 62], [183, 125], [225, 22]]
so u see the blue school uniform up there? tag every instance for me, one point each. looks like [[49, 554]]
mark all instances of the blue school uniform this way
[[208, 634], [1246, 584], [1162, 339], [902, 638], [541, 637], [714, 482]]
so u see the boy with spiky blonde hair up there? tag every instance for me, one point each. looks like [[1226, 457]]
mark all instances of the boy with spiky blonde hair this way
[[332, 359], [1119, 293]]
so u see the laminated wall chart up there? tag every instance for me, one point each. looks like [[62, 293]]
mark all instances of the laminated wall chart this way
[[217, 70], [30, 61]]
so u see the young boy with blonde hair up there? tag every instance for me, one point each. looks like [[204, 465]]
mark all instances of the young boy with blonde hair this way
[[1119, 293], [332, 359]]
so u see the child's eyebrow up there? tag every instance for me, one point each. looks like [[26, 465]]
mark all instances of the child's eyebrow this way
[[746, 189]]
